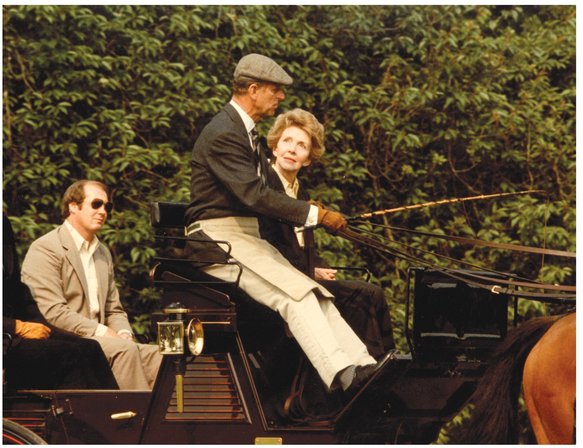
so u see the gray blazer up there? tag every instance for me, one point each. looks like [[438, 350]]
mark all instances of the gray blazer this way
[[53, 271]]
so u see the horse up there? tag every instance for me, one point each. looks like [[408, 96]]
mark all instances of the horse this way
[[549, 383], [539, 355]]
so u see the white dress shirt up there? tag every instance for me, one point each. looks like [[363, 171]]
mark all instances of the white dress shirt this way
[[86, 251], [247, 120]]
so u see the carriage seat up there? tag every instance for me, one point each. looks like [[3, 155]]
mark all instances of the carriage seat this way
[[216, 302]]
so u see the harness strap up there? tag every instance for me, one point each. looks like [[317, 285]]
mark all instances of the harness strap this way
[[468, 276], [506, 246]]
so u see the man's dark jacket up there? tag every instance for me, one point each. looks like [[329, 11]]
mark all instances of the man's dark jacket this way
[[224, 183], [224, 178]]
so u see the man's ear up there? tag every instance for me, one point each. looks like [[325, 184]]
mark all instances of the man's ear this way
[[73, 208], [252, 89]]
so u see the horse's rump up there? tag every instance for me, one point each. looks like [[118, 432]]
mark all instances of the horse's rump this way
[[549, 383], [494, 418]]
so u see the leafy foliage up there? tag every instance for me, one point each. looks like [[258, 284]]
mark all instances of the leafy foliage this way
[[419, 103]]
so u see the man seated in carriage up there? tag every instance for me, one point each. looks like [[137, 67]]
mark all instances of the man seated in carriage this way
[[229, 193], [71, 276], [296, 140], [35, 354]]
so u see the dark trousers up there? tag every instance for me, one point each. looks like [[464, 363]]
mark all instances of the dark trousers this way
[[60, 362], [364, 306]]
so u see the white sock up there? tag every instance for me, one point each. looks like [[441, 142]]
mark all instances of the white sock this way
[[345, 376]]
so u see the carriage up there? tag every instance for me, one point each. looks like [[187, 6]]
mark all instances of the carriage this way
[[231, 373]]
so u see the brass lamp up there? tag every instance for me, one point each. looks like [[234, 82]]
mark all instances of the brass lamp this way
[[172, 339]]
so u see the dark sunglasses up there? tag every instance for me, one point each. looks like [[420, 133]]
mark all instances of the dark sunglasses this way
[[97, 203]]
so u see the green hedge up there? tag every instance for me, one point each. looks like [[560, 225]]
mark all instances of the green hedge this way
[[419, 103]]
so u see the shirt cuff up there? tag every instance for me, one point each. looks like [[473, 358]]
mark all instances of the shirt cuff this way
[[100, 330], [312, 219]]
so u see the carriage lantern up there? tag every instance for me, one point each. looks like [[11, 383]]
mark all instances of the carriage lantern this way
[[172, 339]]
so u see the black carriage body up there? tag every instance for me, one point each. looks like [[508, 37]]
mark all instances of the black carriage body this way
[[454, 319], [252, 384]]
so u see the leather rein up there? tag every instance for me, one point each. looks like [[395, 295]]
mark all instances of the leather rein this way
[[504, 284]]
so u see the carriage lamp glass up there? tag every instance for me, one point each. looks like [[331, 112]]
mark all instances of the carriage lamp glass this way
[[195, 336], [171, 338]]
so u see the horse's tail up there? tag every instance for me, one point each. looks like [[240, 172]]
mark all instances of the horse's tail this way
[[494, 419]]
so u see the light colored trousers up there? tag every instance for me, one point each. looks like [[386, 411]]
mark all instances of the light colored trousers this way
[[322, 333], [135, 366]]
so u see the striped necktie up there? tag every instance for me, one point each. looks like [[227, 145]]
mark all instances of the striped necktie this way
[[256, 153], [254, 137]]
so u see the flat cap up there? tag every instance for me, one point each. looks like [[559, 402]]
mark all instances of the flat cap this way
[[262, 68]]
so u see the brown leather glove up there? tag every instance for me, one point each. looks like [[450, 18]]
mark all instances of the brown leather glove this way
[[331, 220], [32, 330], [316, 203]]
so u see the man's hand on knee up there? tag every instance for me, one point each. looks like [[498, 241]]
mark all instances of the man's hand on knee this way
[[111, 334], [126, 335]]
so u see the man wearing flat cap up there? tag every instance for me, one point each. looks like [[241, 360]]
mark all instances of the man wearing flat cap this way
[[229, 193]]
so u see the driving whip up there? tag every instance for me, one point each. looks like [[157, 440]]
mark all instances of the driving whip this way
[[440, 202]]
